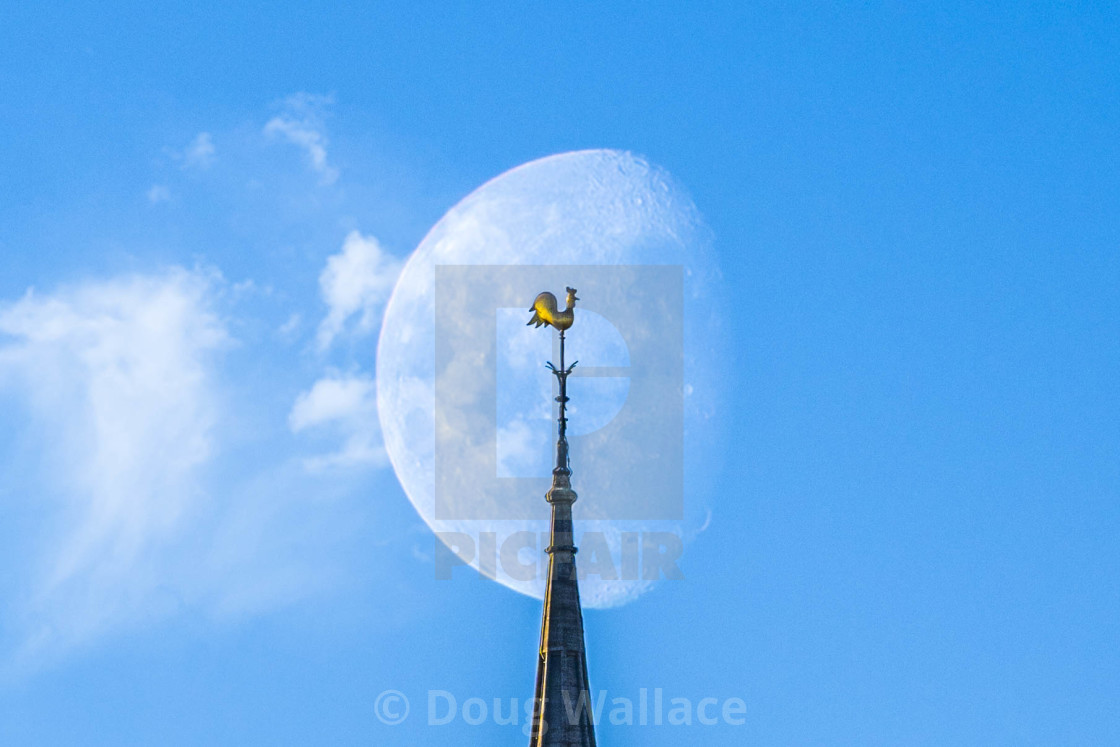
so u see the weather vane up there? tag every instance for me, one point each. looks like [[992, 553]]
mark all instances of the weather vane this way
[[546, 312]]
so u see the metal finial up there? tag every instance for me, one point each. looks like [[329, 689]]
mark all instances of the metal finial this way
[[545, 313]]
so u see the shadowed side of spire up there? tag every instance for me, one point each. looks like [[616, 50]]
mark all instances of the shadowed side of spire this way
[[563, 704]]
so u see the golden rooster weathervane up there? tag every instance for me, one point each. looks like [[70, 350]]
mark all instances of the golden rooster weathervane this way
[[545, 311]]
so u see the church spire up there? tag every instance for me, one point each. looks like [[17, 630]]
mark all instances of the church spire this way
[[562, 714]]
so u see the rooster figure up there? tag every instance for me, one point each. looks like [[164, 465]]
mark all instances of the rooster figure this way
[[545, 311]]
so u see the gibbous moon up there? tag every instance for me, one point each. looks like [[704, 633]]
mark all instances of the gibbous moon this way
[[596, 207]]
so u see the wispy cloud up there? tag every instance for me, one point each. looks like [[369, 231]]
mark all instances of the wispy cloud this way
[[158, 193], [356, 282], [139, 514], [290, 328], [119, 374], [301, 124], [346, 405], [200, 154]]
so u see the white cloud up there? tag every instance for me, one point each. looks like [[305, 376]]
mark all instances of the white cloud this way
[[301, 124], [289, 329], [119, 380], [345, 405], [356, 281], [158, 193], [200, 154]]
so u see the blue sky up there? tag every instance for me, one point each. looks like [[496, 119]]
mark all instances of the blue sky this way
[[917, 214]]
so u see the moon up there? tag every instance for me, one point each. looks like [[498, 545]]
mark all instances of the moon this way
[[584, 210]]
